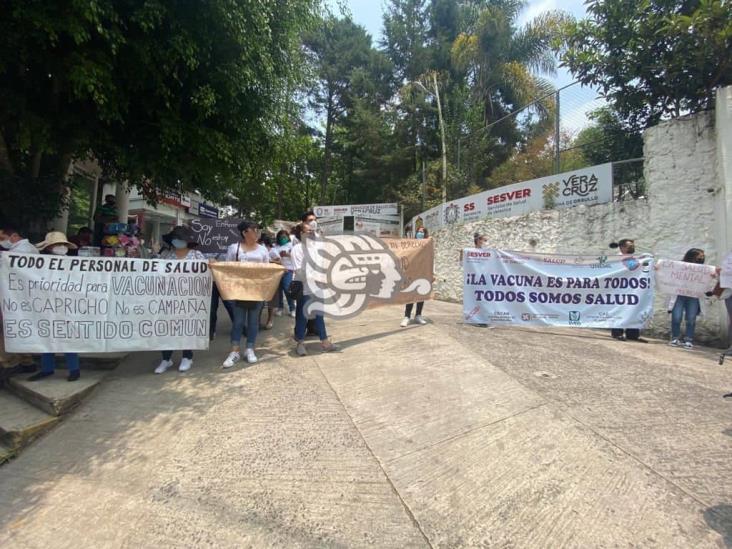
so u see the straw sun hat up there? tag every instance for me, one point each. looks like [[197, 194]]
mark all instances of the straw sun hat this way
[[55, 238]]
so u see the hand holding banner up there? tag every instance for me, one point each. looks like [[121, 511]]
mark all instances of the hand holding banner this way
[[682, 278]]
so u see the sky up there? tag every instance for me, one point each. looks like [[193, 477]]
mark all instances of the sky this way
[[577, 100]]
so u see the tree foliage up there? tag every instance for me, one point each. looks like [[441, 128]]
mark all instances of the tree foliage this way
[[653, 58]]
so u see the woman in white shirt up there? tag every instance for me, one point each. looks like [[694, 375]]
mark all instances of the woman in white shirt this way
[[246, 313], [283, 249], [180, 240]]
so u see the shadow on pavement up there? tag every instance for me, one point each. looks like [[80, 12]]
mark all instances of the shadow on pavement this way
[[719, 518]]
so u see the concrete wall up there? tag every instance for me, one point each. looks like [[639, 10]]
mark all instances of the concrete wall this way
[[682, 211]]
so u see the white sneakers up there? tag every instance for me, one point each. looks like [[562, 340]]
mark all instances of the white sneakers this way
[[417, 319], [232, 359], [675, 342], [292, 314], [278, 312], [164, 365], [686, 345], [185, 365], [235, 357]]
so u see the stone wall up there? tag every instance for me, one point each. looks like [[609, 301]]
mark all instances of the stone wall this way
[[679, 213]]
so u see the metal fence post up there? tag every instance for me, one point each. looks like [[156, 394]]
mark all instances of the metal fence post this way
[[557, 146]]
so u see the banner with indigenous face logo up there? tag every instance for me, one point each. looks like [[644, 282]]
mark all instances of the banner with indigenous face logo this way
[[103, 304], [525, 289], [247, 281], [344, 275]]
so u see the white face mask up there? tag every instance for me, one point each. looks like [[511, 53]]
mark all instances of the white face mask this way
[[179, 244], [6, 244], [60, 250], [313, 225]]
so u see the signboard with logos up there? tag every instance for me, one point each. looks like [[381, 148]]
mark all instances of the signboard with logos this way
[[381, 220], [588, 186], [205, 210]]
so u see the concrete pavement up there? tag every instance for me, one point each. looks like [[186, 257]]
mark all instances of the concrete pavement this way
[[444, 435]]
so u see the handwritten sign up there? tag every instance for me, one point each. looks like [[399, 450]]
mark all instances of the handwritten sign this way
[[213, 236], [725, 277], [101, 304], [681, 278]]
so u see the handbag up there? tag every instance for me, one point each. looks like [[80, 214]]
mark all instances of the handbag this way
[[295, 291]]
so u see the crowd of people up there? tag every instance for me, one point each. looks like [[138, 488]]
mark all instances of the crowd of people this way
[[287, 249]]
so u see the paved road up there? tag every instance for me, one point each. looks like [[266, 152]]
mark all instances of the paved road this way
[[443, 435]]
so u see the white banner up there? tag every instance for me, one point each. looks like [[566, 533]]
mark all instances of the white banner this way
[[680, 278], [357, 209], [503, 287], [588, 186], [99, 304], [725, 276]]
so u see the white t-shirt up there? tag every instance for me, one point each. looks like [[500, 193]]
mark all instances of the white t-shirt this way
[[23, 247], [237, 252], [285, 260]]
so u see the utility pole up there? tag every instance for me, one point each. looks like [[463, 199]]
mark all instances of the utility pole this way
[[442, 136], [557, 152]]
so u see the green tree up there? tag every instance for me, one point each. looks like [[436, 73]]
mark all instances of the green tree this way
[[607, 139], [164, 94], [653, 58]]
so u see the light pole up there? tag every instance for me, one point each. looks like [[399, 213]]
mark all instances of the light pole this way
[[436, 93]]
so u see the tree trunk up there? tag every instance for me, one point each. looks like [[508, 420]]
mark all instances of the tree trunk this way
[[5, 164], [328, 145]]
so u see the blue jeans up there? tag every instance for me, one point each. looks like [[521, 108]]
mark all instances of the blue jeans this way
[[48, 362], [690, 307], [245, 316], [301, 322], [284, 286]]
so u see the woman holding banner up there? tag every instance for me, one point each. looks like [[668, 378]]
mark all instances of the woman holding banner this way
[[304, 232], [625, 246], [56, 243], [246, 313], [181, 242], [682, 305], [420, 234]]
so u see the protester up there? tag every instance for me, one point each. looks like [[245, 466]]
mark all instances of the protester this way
[[56, 243], [420, 234], [246, 313], [106, 213], [12, 241], [306, 232], [268, 306], [181, 246], [681, 305], [625, 246], [283, 249], [82, 238]]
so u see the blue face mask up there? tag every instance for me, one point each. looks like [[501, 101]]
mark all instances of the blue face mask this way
[[179, 244], [420, 236]]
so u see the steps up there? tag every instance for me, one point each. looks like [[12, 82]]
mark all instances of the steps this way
[[54, 395], [20, 424], [30, 408]]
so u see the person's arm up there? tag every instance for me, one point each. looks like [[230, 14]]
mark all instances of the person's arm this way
[[230, 253]]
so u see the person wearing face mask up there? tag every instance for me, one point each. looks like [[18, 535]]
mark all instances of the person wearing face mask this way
[[419, 235], [306, 231], [56, 243], [12, 241], [682, 305], [246, 313], [283, 249], [625, 246], [181, 241]]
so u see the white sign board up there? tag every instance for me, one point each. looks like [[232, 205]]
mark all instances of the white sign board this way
[[503, 287], [588, 186], [681, 278], [103, 304]]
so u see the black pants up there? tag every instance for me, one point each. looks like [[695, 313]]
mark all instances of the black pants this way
[[630, 333], [408, 309], [167, 355], [213, 316]]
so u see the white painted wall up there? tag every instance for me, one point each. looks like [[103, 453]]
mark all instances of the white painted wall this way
[[681, 212]]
